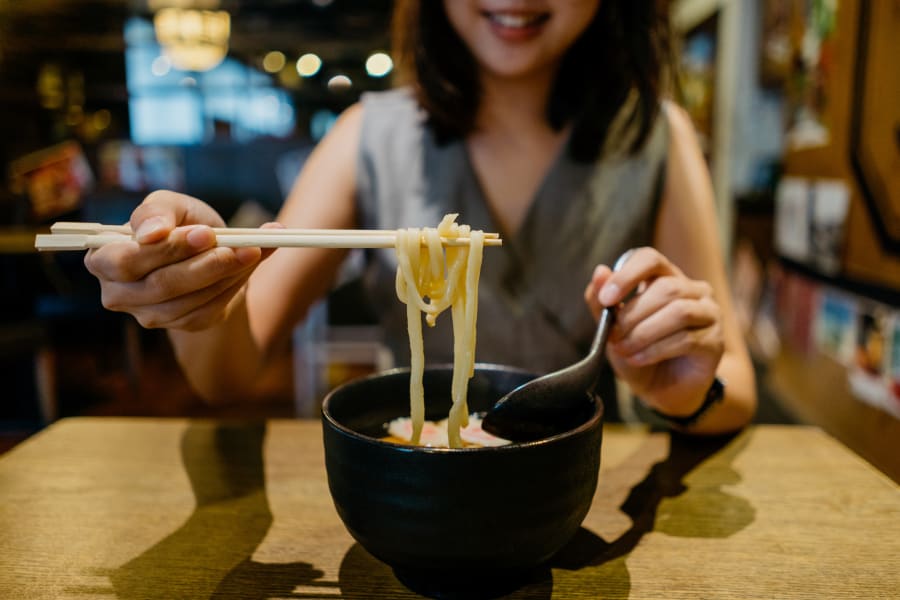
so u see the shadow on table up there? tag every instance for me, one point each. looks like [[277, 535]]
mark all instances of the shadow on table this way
[[660, 502], [210, 555]]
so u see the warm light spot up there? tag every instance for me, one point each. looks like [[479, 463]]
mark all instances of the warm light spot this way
[[289, 78], [194, 40], [308, 65], [379, 64], [101, 119], [75, 115], [273, 61], [339, 83]]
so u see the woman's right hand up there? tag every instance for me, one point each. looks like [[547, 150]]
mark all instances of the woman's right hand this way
[[173, 275]]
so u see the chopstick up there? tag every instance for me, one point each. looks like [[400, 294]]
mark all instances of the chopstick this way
[[95, 228], [81, 236]]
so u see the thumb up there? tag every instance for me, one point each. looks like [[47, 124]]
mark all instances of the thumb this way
[[592, 290], [162, 211]]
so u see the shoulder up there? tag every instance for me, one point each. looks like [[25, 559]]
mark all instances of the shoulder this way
[[681, 134], [390, 104], [391, 125], [686, 163]]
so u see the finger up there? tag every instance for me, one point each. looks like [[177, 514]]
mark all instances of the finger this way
[[209, 313], [132, 261], [658, 294], [195, 308], [200, 271], [678, 316], [681, 343], [162, 211], [176, 280], [592, 289], [644, 264]]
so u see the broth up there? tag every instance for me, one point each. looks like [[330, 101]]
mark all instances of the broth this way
[[434, 434]]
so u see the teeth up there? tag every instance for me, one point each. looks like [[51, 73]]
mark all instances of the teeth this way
[[514, 20]]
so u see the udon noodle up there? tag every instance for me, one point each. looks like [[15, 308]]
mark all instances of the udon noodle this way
[[430, 279]]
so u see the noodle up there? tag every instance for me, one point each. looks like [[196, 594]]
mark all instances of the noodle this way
[[431, 279]]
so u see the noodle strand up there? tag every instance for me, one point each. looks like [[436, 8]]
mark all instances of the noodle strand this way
[[446, 278]]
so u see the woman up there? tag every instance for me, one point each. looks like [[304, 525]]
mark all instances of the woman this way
[[538, 119]]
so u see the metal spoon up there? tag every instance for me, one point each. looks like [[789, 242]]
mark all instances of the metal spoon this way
[[556, 402]]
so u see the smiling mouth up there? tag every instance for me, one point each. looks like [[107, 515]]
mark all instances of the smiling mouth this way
[[517, 20]]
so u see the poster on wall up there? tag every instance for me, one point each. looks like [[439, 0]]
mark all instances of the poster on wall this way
[[811, 222], [814, 57], [867, 374], [795, 303], [835, 326], [893, 370], [830, 202], [792, 218]]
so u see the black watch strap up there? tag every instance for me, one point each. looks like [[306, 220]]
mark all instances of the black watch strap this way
[[714, 395]]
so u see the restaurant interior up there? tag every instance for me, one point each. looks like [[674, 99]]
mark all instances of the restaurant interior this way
[[104, 101]]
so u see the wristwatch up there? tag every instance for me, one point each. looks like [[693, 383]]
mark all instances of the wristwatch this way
[[714, 395]]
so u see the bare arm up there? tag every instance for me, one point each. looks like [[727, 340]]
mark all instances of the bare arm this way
[[681, 330], [222, 362], [688, 235]]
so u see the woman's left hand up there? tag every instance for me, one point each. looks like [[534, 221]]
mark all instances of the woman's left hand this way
[[667, 338]]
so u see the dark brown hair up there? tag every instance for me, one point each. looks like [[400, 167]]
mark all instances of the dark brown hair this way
[[625, 48]]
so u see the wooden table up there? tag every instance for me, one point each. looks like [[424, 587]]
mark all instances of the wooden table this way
[[155, 508]]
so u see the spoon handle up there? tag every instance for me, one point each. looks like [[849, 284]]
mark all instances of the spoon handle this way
[[607, 317]]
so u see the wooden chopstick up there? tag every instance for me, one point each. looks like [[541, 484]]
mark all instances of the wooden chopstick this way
[[230, 238], [62, 227]]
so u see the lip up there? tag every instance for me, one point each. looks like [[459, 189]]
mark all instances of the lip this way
[[516, 26]]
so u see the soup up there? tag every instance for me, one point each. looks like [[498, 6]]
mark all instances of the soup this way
[[434, 434]]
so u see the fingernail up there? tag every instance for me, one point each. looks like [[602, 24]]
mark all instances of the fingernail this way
[[145, 232], [609, 295], [199, 237]]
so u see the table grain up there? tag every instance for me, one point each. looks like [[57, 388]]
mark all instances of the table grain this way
[[174, 508]]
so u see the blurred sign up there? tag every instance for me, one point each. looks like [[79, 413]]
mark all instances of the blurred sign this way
[[54, 180]]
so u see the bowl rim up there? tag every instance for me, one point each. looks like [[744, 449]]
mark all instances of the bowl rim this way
[[599, 411]]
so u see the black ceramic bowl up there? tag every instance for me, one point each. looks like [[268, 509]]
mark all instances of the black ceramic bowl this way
[[451, 518]]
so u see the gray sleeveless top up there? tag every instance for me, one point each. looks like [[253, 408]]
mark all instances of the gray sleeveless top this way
[[531, 311]]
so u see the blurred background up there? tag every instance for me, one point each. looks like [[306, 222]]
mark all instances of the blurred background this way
[[797, 104]]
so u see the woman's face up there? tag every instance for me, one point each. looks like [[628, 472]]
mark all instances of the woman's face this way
[[519, 38]]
